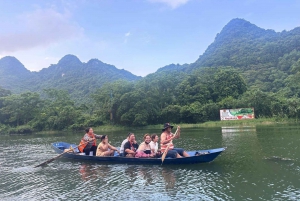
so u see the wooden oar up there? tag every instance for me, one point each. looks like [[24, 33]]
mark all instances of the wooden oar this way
[[167, 149], [56, 157]]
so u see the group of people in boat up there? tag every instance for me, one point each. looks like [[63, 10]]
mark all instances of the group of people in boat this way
[[130, 148]]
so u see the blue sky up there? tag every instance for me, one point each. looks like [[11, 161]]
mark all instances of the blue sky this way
[[136, 35]]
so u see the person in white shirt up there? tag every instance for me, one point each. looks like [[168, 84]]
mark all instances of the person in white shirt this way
[[123, 143], [154, 143]]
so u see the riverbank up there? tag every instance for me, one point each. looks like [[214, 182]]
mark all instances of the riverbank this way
[[246, 122]]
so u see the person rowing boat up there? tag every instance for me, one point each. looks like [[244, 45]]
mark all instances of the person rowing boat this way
[[166, 142]]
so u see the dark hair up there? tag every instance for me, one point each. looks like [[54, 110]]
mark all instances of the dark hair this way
[[130, 134], [87, 129], [153, 136], [103, 137]]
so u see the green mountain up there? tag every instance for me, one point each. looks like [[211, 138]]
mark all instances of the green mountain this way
[[265, 58], [70, 74], [245, 67], [12, 74]]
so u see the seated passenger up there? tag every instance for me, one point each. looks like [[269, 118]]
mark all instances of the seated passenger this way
[[154, 145], [131, 146], [102, 149], [144, 150], [166, 139], [122, 145], [88, 142]]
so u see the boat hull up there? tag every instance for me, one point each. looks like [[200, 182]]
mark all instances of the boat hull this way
[[204, 157]]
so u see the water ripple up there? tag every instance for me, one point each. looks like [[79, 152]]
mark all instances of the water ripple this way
[[246, 171]]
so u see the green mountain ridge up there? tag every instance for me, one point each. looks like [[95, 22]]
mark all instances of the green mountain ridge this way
[[266, 59], [245, 67], [70, 74]]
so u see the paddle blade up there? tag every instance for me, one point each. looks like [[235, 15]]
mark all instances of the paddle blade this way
[[164, 154], [163, 157], [50, 160]]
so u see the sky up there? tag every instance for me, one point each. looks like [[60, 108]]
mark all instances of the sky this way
[[139, 36]]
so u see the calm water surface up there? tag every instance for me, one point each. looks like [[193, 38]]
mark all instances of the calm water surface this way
[[260, 163]]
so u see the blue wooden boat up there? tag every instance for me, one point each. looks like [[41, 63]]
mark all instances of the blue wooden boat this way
[[203, 157]]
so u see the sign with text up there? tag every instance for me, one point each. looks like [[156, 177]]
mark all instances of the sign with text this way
[[237, 114]]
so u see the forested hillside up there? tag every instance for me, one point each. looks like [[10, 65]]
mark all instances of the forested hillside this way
[[266, 59], [79, 79], [246, 66]]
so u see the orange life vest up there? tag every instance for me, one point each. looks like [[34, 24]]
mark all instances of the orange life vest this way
[[164, 146], [83, 143]]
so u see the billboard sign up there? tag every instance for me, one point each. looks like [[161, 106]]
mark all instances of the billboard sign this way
[[237, 114]]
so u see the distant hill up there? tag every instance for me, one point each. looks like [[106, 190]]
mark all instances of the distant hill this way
[[264, 57], [12, 74], [79, 79], [172, 67], [267, 60], [242, 44]]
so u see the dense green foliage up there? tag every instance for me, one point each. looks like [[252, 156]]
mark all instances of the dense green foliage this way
[[160, 97], [245, 66], [265, 58]]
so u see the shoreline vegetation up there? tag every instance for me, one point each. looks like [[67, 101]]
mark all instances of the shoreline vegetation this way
[[237, 123], [195, 100], [111, 127]]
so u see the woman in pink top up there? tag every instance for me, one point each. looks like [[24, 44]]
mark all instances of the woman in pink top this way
[[144, 150], [166, 139]]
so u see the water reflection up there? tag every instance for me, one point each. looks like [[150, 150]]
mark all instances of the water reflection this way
[[92, 172], [132, 175], [169, 178], [147, 175], [227, 130], [87, 172]]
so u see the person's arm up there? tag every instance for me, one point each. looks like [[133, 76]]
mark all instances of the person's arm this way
[[178, 133], [163, 139], [127, 148], [113, 148], [97, 136]]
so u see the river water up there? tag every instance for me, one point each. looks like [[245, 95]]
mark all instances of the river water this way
[[260, 163]]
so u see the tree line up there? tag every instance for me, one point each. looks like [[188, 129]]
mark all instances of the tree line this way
[[174, 97]]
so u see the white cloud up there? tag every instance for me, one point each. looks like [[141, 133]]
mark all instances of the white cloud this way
[[172, 3], [127, 34], [39, 28]]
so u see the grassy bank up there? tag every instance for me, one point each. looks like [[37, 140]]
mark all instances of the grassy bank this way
[[252, 122], [248, 122]]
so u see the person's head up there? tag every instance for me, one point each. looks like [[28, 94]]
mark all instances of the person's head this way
[[104, 138], [147, 138], [167, 127], [154, 138], [131, 137], [89, 130]]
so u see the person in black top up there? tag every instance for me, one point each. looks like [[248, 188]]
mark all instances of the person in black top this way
[[131, 146]]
